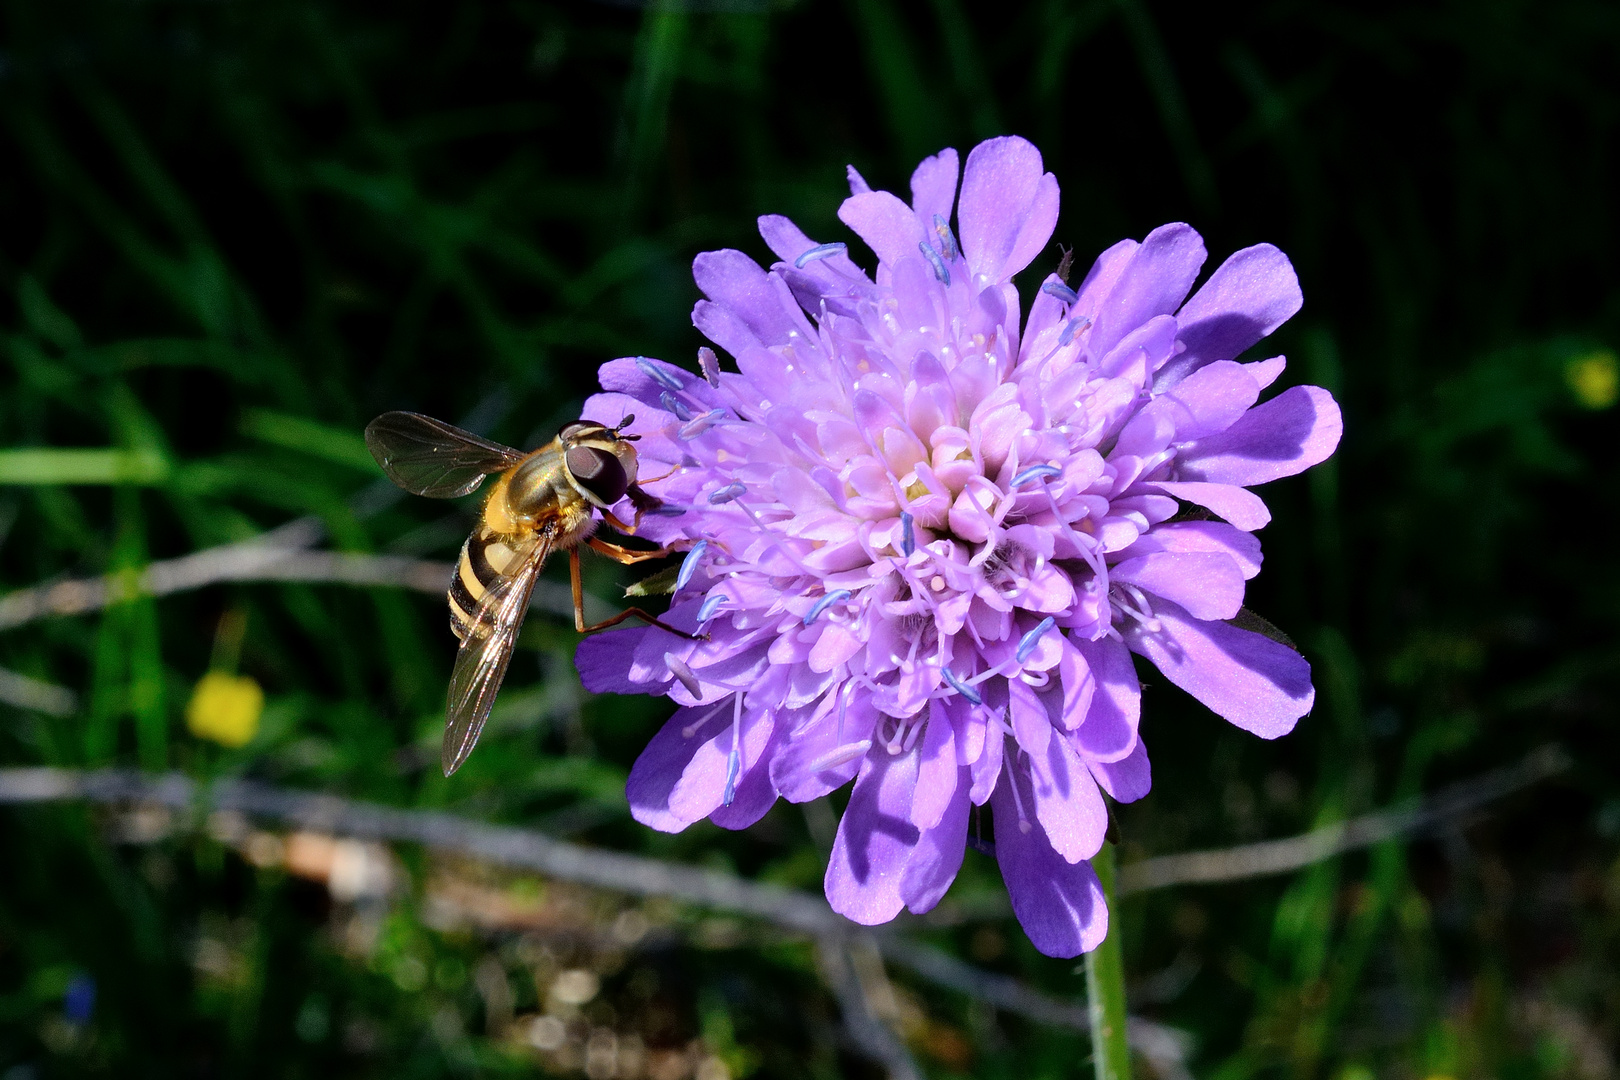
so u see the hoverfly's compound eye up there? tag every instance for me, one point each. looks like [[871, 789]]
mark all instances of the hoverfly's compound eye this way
[[599, 472], [577, 428]]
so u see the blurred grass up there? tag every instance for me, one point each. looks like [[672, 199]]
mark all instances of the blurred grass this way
[[237, 232]]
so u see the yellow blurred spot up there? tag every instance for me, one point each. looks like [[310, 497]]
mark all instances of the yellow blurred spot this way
[[225, 709], [1594, 378]]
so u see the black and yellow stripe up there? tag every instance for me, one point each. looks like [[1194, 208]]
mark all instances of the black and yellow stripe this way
[[486, 557]]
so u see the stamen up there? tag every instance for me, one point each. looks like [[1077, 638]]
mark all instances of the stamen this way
[[665, 509], [820, 251], [657, 374], [839, 755], [1073, 328], [692, 729], [1060, 292], [710, 364], [712, 604], [699, 424], [961, 687], [835, 597], [1035, 471], [730, 493], [908, 538], [913, 734], [1018, 801], [1027, 643], [734, 759], [683, 674], [671, 405], [941, 271], [947, 239], [689, 564]]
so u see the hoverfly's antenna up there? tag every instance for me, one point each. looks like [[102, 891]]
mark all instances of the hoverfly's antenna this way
[[629, 419]]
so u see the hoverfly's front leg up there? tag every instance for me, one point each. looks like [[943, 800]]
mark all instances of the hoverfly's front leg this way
[[629, 555], [644, 504], [624, 555]]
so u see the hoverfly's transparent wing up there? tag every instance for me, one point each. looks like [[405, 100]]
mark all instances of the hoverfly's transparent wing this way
[[485, 651], [429, 457]]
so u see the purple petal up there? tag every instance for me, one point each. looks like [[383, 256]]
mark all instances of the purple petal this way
[[659, 768], [1001, 188], [1207, 583], [1154, 282], [874, 841], [1103, 275], [1038, 226], [1108, 732], [1251, 294], [933, 188], [737, 282], [603, 661], [701, 789], [936, 770], [1059, 904], [1210, 400], [827, 753], [886, 224], [937, 857], [1067, 801], [755, 794], [1256, 683], [1288, 434], [1240, 506], [1187, 536], [1127, 779]]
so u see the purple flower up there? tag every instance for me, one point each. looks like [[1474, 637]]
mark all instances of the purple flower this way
[[926, 534]]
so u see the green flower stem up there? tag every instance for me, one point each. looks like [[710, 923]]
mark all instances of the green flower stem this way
[[1105, 984]]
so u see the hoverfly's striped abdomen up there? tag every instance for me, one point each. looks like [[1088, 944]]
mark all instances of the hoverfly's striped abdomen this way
[[486, 557]]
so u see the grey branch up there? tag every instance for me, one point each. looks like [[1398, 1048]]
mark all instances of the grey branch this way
[[872, 1034], [1297, 852], [788, 908], [27, 693], [522, 849], [280, 555]]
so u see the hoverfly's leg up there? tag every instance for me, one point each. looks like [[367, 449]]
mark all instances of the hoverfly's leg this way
[[579, 589], [650, 620], [613, 519], [628, 555]]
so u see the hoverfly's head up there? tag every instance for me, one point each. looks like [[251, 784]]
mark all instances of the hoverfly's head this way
[[600, 461]]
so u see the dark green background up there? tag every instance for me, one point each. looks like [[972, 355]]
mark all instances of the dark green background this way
[[223, 222]]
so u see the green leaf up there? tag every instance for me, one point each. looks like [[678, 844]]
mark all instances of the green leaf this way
[[309, 437], [43, 466]]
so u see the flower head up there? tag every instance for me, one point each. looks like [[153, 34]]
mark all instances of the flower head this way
[[926, 534]]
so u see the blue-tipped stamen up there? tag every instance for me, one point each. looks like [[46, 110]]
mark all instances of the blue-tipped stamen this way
[[657, 374], [710, 364], [730, 493], [961, 687], [1034, 471], [1073, 327], [683, 675], [699, 424], [689, 565], [1060, 292], [665, 509], [834, 597], [712, 604], [733, 767], [673, 405], [941, 271], [1027, 643], [947, 239], [819, 252], [908, 535]]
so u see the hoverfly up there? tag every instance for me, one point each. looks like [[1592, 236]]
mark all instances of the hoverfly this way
[[544, 501]]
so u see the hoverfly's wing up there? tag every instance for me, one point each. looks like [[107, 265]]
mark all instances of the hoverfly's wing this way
[[485, 651], [429, 457]]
